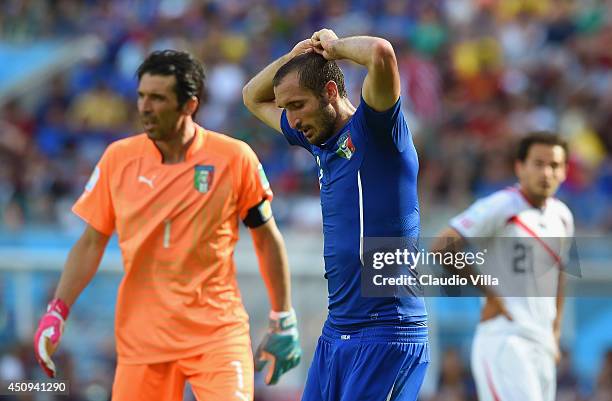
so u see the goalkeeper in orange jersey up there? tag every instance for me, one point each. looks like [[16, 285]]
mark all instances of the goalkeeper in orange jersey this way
[[175, 194]]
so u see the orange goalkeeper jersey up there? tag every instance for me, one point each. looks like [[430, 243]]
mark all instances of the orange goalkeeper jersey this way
[[177, 227]]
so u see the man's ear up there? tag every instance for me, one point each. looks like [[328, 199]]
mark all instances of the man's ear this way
[[190, 106], [331, 90], [518, 167]]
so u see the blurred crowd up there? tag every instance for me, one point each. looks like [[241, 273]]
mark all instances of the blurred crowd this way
[[476, 75]]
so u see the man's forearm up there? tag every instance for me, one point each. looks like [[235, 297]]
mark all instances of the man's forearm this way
[[259, 89], [274, 266], [449, 241], [559, 303], [80, 267], [362, 50], [275, 273]]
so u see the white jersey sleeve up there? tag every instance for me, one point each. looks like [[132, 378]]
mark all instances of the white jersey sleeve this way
[[485, 217], [566, 216]]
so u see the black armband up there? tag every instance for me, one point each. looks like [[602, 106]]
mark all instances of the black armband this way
[[258, 214]]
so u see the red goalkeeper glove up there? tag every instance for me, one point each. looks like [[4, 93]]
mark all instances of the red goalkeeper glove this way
[[48, 334]]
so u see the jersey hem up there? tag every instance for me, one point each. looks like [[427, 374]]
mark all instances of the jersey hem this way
[[169, 357]]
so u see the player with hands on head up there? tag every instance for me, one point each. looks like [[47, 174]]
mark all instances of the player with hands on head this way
[[371, 348]]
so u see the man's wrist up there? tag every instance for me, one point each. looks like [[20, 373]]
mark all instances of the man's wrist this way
[[277, 315], [293, 53], [334, 48], [60, 307]]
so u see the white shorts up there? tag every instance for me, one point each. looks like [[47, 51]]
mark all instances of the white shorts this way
[[512, 368]]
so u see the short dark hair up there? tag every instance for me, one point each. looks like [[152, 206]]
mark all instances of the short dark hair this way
[[540, 137], [188, 71], [314, 71]]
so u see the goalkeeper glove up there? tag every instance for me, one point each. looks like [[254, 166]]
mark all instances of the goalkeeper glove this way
[[280, 346], [48, 334]]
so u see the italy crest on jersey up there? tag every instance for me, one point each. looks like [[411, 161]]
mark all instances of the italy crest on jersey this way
[[203, 178], [345, 146]]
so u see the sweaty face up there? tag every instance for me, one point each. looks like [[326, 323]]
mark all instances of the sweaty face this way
[[158, 106], [544, 169], [306, 112]]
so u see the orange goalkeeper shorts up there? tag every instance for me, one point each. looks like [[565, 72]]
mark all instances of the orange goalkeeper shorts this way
[[224, 374]]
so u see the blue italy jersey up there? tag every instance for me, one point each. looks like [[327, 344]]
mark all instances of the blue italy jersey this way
[[368, 179]]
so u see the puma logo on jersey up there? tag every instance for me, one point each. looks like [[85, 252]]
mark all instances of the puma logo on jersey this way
[[149, 182]]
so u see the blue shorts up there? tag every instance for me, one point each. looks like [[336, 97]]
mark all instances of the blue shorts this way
[[376, 363]]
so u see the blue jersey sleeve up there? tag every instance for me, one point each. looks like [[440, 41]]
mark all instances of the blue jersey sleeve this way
[[294, 137], [387, 123]]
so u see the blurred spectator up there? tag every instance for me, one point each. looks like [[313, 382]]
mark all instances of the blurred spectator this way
[[11, 367], [98, 109], [567, 381], [603, 390], [429, 34], [455, 383]]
